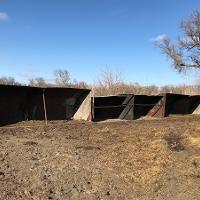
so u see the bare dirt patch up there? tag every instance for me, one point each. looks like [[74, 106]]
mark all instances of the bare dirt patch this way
[[140, 160]]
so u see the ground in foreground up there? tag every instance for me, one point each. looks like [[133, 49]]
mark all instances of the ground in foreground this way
[[140, 160]]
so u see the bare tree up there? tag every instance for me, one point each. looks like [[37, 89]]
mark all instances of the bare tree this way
[[109, 78], [37, 82], [185, 52], [62, 77], [8, 81], [79, 84], [109, 82]]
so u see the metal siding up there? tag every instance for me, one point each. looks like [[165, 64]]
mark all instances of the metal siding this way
[[18, 103]]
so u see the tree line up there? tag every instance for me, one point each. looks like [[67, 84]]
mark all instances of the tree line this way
[[108, 83], [61, 79]]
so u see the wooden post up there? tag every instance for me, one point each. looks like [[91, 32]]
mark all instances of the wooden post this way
[[164, 114], [92, 109], [44, 104]]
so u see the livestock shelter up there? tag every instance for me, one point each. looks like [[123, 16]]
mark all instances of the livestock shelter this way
[[149, 105], [179, 104], [19, 103], [112, 107], [126, 106]]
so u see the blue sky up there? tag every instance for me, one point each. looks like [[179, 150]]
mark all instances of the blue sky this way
[[86, 36]]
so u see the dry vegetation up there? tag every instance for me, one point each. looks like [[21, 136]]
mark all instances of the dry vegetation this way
[[122, 88], [112, 82], [140, 160], [108, 83]]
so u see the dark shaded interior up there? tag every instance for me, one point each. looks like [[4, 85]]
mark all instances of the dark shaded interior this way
[[143, 104], [109, 101], [127, 107], [109, 107], [181, 104], [14, 106], [62, 103], [194, 103], [19, 103], [101, 114]]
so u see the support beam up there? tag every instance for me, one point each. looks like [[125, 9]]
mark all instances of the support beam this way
[[44, 104], [128, 112]]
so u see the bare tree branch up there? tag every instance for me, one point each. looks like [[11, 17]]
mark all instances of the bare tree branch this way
[[8, 81], [185, 53], [37, 82], [62, 77]]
